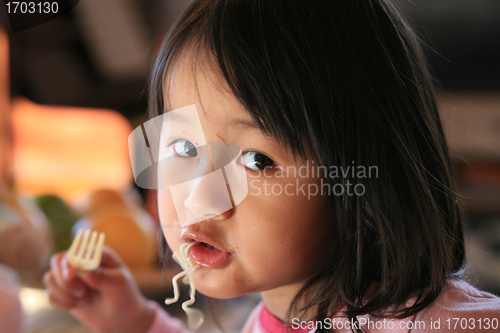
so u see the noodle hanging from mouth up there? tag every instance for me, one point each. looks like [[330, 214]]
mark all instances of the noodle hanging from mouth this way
[[195, 316]]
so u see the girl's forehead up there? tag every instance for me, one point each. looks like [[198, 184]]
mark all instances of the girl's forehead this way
[[192, 80], [195, 76]]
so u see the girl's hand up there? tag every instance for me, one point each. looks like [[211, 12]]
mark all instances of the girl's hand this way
[[105, 299]]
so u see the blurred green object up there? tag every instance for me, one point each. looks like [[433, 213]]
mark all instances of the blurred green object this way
[[60, 217]]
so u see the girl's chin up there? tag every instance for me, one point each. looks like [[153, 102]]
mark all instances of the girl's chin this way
[[212, 286], [219, 293]]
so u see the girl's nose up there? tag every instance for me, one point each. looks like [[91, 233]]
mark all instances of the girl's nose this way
[[208, 199], [208, 186]]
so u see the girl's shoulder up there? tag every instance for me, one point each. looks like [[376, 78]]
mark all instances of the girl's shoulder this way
[[459, 295], [463, 308], [459, 308]]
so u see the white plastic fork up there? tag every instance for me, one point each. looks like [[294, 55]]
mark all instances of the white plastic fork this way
[[85, 255]]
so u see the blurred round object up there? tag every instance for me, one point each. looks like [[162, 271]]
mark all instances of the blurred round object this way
[[25, 237], [60, 217], [101, 200], [21, 248], [136, 246]]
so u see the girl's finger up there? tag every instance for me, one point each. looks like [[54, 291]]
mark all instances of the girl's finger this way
[[50, 283], [63, 270], [69, 272], [57, 269], [75, 288], [49, 280], [61, 301]]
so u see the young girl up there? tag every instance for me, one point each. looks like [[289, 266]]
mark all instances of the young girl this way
[[370, 242]]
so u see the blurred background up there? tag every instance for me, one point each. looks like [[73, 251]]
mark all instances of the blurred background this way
[[72, 90]]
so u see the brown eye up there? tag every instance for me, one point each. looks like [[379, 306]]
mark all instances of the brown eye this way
[[256, 161]]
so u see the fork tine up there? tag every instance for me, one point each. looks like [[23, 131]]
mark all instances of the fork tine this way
[[76, 242], [83, 245], [90, 247], [96, 260]]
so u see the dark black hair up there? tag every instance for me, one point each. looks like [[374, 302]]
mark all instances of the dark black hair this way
[[346, 81]]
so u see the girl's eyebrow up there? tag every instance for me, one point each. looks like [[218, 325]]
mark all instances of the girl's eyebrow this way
[[174, 116], [247, 123]]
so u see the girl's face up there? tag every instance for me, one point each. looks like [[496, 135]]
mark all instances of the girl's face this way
[[267, 241]]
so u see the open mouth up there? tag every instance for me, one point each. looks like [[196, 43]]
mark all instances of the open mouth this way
[[207, 255], [209, 246]]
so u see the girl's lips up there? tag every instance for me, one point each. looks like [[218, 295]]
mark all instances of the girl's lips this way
[[208, 256]]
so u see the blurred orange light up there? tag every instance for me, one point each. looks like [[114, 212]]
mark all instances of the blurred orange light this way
[[69, 151]]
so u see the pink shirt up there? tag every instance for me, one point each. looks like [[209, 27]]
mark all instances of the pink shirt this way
[[459, 308]]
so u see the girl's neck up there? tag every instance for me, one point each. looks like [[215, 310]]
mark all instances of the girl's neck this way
[[278, 300]]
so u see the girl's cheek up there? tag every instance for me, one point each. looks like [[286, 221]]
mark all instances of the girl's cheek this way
[[168, 218], [166, 209], [172, 238]]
